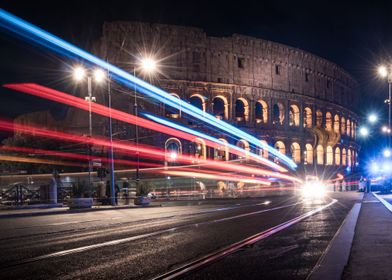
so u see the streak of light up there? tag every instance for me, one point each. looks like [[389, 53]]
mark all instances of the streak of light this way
[[173, 129], [43, 152], [44, 38], [216, 177], [144, 150], [38, 160]]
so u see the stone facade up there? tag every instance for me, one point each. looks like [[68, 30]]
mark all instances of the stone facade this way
[[296, 101]]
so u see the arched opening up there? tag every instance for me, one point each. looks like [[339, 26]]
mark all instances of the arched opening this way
[[173, 148], [337, 156], [261, 112], [295, 152], [348, 127], [243, 144], [353, 127], [171, 112], [328, 121], [343, 126], [198, 149], [198, 101], [336, 125], [308, 154], [220, 107], [278, 114], [320, 155], [263, 152], [349, 159], [329, 155], [241, 110], [280, 146], [344, 157], [319, 118], [308, 117], [294, 115], [222, 152]]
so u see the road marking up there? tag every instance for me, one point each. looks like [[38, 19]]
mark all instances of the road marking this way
[[141, 236], [208, 259], [383, 201]]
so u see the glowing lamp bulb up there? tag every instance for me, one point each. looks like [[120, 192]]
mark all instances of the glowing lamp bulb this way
[[99, 75], [149, 65], [387, 153], [383, 71], [79, 73], [372, 118], [364, 131]]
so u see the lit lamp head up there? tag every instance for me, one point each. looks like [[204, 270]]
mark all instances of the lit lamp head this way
[[387, 153], [364, 131], [99, 75], [372, 118], [79, 73], [383, 71], [148, 65]]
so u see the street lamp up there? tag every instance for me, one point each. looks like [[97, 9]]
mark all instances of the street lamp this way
[[364, 131], [372, 118], [149, 66], [79, 74], [386, 72]]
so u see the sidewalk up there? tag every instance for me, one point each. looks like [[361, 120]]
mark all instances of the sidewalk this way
[[371, 253]]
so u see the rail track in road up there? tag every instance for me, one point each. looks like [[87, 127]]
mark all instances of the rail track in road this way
[[81, 249], [221, 253]]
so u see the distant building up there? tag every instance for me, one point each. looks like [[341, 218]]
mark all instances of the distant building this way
[[293, 100]]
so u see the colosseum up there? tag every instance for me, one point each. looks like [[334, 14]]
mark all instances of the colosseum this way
[[293, 100]]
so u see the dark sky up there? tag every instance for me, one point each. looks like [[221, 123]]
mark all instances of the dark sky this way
[[357, 35]]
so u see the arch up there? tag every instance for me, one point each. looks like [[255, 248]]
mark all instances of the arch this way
[[198, 148], [244, 145], [349, 159], [241, 109], [344, 157], [320, 155], [348, 127], [261, 111], [337, 156], [222, 152], [319, 118], [336, 124], [353, 127], [264, 153], [308, 154], [294, 115], [308, 117], [220, 108], [343, 126], [171, 112], [280, 146], [198, 101], [329, 156], [173, 148], [328, 121], [278, 113], [295, 152]]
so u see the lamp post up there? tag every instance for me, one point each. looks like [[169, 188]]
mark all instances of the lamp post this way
[[149, 66], [79, 74], [384, 72]]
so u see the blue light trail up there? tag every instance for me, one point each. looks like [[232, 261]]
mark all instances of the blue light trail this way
[[45, 39]]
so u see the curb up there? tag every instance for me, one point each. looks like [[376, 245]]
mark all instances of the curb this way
[[334, 259]]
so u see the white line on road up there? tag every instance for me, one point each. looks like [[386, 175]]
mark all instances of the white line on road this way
[[141, 236]]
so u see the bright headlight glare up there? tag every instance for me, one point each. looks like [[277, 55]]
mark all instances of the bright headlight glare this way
[[313, 190]]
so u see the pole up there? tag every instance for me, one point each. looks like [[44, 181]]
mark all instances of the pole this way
[[112, 190], [389, 111], [90, 125], [136, 134]]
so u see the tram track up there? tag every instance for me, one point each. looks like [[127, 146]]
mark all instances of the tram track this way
[[81, 249]]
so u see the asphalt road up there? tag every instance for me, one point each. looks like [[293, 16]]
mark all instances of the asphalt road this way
[[145, 243]]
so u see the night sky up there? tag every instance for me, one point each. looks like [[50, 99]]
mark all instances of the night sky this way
[[354, 34]]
